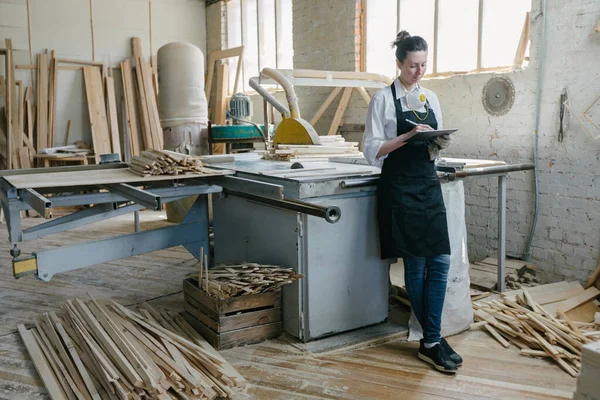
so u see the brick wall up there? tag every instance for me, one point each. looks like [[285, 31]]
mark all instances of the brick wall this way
[[567, 239], [216, 26], [327, 37]]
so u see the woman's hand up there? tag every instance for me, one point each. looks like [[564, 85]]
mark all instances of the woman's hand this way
[[399, 141], [419, 128]]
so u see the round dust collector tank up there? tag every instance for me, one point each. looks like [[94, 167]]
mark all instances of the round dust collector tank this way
[[181, 97]]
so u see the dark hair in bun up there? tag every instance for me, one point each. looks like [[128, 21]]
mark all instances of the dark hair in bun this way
[[405, 43]]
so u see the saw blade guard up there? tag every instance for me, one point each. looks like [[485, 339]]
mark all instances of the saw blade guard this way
[[293, 129]]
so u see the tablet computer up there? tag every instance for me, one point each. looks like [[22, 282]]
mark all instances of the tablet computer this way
[[430, 135]]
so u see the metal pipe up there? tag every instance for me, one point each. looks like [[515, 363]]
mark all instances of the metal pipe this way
[[331, 214], [538, 105], [501, 169], [365, 182], [288, 88], [353, 183], [501, 270], [254, 84]]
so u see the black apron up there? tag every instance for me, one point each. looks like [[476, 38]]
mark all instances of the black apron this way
[[411, 211]]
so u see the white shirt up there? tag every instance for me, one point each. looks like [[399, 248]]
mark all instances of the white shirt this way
[[381, 118]]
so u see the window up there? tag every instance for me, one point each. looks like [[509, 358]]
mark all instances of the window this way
[[463, 35], [264, 28]]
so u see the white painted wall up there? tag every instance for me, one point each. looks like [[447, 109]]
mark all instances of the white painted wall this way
[[64, 26]]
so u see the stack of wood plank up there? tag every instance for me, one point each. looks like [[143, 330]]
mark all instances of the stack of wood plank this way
[[331, 146], [140, 94], [165, 162], [587, 382], [97, 351], [17, 121], [28, 128], [237, 280], [544, 321]]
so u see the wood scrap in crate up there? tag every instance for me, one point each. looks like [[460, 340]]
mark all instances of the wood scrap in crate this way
[[165, 162], [539, 330], [227, 281], [234, 321], [99, 351]]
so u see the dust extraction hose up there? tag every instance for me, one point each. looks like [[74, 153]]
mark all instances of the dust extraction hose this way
[[287, 86], [254, 84]]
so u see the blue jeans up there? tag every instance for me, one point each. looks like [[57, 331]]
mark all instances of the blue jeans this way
[[425, 279]]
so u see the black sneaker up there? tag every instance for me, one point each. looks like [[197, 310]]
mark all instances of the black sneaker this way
[[437, 357], [451, 353]]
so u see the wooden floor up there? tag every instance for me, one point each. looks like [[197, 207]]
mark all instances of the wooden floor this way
[[278, 369]]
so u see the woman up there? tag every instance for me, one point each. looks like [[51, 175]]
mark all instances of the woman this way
[[411, 211]]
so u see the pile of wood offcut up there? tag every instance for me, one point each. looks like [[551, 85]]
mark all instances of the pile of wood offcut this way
[[543, 321], [237, 280], [165, 162], [97, 351], [331, 146]]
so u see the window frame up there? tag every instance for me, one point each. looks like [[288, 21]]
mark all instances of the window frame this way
[[260, 32], [434, 70]]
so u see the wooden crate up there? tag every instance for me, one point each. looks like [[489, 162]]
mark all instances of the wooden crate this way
[[232, 322]]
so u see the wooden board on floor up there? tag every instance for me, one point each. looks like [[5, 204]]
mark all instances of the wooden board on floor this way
[[483, 279], [570, 303], [41, 364], [513, 265], [42, 102], [97, 110], [549, 293], [583, 313]]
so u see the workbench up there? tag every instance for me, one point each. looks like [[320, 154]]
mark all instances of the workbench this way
[[106, 191]]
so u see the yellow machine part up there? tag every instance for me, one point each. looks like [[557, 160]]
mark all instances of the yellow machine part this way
[[295, 131], [26, 266]]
